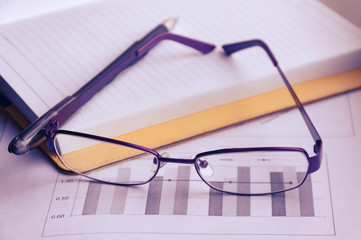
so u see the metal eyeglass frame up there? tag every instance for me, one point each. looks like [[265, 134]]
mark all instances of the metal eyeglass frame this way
[[314, 161]]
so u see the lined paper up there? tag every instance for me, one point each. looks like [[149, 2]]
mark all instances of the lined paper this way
[[48, 58], [17, 10]]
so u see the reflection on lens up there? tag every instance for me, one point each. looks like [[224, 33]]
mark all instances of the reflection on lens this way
[[255, 172], [105, 161]]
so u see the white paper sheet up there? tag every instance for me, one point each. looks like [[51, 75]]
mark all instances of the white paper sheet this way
[[37, 202]]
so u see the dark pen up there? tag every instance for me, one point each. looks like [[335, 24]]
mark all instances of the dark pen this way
[[33, 135]]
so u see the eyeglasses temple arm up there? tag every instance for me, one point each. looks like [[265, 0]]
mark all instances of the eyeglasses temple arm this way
[[203, 47], [84, 94], [59, 114], [235, 47]]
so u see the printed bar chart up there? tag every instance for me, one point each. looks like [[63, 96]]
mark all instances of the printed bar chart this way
[[177, 194], [170, 195]]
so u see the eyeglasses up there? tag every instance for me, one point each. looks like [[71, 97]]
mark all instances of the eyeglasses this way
[[242, 171]]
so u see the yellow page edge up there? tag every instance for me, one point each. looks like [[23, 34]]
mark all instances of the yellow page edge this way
[[228, 114]]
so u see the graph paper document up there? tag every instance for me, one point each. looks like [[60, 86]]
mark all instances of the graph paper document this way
[[38, 202]]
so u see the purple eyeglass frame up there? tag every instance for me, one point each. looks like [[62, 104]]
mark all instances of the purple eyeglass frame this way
[[314, 161]]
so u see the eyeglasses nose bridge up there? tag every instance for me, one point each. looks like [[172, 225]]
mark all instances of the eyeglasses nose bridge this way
[[166, 159]]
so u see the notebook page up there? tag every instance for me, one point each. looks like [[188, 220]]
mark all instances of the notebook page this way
[[56, 64], [16, 10], [249, 74], [63, 52]]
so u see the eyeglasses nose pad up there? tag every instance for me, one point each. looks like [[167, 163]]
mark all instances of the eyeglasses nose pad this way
[[205, 168], [154, 166], [166, 155], [155, 162]]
